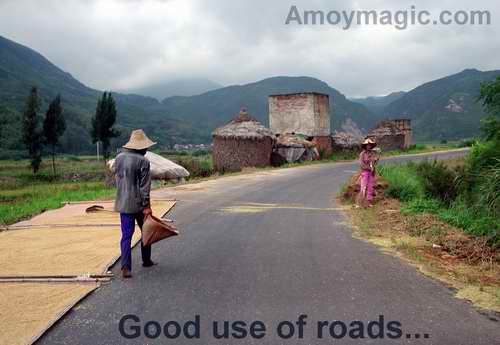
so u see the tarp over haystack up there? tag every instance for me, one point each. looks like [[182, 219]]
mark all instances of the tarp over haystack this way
[[161, 168], [346, 141], [290, 148]]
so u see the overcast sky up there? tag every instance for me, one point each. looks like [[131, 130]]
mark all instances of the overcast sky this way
[[119, 44]]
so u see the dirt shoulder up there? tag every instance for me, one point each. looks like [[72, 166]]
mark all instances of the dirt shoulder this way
[[465, 263]]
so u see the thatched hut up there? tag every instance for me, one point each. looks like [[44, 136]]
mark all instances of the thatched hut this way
[[242, 142]]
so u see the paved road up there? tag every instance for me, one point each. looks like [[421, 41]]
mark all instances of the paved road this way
[[272, 263]]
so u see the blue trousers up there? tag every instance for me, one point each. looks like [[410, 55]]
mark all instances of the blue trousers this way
[[128, 226]]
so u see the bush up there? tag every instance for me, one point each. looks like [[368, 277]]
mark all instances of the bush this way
[[489, 189], [438, 180], [403, 181], [466, 143], [483, 155]]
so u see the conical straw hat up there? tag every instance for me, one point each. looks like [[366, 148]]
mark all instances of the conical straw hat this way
[[369, 141], [138, 141]]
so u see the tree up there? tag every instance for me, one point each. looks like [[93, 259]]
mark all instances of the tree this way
[[32, 134], [103, 121], [54, 126], [490, 96]]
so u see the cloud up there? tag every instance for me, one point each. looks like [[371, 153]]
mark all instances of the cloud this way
[[120, 44]]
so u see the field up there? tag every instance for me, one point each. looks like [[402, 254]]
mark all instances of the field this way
[[23, 194]]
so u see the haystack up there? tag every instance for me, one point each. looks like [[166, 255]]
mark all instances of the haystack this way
[[345, 141], [291, 148], [242, 142], [161, 168]]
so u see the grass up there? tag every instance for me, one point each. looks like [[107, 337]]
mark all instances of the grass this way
[[428, 147], [24, 202], [403, 181], [23, 194], [407, 185]]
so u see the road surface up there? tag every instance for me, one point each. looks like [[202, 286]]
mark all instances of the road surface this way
[[269, 247]]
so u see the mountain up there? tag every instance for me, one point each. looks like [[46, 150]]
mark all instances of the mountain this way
[[441, 109], [21, 68], [445, 108], [177, 119], [377, 103], [214, 108], [179, 87]]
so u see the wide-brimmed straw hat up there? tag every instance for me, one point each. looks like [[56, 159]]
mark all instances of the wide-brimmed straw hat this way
[[138, 141], [369, 141]]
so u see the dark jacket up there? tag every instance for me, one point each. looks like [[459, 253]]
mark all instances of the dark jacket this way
[[133, 181]]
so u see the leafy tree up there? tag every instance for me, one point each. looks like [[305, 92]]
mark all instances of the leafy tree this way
[[32, 134], [54, 126], [490, 96], [103, 122]]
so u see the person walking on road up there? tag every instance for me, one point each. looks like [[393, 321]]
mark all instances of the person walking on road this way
[[133, 181], [368, 160]]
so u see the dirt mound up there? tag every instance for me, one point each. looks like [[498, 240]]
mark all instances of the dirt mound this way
[[449, 243], [352, 190]]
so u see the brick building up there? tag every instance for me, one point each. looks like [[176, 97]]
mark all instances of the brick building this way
[[405, 126], [306, 113]]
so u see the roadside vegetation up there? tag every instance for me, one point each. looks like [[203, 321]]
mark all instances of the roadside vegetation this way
[[458, 192], [24, 194], [444, 216], [464, 193]]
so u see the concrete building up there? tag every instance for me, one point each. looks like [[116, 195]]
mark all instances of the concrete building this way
[[306, 113]]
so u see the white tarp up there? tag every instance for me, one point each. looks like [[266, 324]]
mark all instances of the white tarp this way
[[161, 168]]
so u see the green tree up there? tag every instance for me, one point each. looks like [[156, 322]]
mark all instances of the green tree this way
[[32, 134], [54, 126], [490, 96], [103, 121]]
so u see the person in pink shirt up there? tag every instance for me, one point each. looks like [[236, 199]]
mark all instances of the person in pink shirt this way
[[368, 159]]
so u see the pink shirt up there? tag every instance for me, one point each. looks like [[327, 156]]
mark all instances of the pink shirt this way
[[368, 159]]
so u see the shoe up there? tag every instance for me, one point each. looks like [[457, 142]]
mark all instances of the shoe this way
[[149, 264], [126, 273]]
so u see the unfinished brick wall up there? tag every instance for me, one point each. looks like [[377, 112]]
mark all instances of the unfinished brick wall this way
[[305, 113], [323, 144], [390, 142], [405, 126]]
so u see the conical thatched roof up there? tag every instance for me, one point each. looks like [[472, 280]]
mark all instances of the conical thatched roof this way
[[243, 126]]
